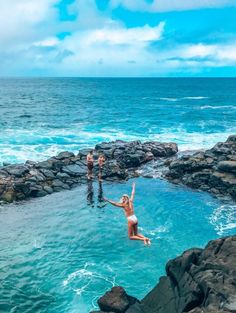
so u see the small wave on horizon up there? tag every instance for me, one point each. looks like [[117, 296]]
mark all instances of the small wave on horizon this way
[[217, 107], [195, 98], [169, 99], [183, 98]]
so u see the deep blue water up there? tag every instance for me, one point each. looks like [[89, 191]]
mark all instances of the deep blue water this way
[[40, 117], [60, 253]]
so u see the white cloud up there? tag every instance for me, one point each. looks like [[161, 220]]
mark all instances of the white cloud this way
[[22, 21], [190, 58], [98, 45], [48, 42], [171, 5], [108, 50], [122, 36]]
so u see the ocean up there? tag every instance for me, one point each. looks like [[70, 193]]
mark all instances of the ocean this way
[[60, 253], [43, 116]]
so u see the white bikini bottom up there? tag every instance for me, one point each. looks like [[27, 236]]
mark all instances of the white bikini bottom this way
[[132, 219]]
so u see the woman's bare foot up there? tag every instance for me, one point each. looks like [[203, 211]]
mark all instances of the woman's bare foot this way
[[147, 242]]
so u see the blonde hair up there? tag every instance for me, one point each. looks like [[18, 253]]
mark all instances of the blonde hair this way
[[125, 196]]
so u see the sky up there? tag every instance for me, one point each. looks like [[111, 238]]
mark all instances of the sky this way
[[118, 38]]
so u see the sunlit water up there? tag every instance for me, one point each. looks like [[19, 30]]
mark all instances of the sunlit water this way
[[60, 253], [40, 117]]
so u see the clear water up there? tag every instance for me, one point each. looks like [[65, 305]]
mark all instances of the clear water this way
[[40, 117], [60, 253]]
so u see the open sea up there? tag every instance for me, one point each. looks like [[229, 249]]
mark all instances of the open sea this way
[[59, 253], [40, 117]]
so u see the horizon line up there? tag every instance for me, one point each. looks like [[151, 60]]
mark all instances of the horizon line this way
[[117, 77]]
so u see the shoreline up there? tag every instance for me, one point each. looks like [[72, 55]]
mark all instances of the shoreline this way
[[66, 170], [212, 170], [199, 280]]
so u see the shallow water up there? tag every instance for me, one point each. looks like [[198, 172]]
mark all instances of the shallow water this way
[[40, 117], [61, 252]]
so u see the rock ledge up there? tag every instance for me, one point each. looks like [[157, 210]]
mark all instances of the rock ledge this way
[[213, 170], [198, 281], [64, 171]]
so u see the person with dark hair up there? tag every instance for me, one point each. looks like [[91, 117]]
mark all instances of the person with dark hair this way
[[90, 164], [101, 162]]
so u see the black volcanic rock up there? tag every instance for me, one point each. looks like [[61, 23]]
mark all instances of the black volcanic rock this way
[[198, 281], [116, 300], [213, 170], [65, 170]]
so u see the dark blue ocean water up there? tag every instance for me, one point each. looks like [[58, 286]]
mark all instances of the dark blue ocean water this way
[[40, 117], [59, 253]]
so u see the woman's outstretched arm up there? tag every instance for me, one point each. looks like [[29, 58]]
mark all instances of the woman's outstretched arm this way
[[119, 205], [133, 192]]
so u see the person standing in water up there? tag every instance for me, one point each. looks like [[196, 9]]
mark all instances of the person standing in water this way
[[101, 162], [90, 162], [127, 205]]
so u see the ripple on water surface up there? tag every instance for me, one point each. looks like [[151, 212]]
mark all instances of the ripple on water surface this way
[[194, 113], [61, 252]]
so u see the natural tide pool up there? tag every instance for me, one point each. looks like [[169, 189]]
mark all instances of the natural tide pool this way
[[60, 253]]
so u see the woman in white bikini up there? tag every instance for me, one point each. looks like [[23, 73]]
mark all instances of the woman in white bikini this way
[[127, 204]]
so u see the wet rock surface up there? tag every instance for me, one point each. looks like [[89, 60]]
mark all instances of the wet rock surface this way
[[198, 281], [213, 170], [66, 170]]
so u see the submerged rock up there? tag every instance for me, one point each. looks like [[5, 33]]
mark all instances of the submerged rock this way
[[198, 281], [37, 179]]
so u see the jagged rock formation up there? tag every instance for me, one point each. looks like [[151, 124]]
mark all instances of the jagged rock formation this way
[[198, 281], [212, 170], [21, 181]]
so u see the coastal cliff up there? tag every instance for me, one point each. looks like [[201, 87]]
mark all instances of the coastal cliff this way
[[213, 170], [198, 281], [66, 170]]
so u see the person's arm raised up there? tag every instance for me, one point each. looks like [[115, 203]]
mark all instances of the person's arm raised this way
[[133, 192], [119, 205]]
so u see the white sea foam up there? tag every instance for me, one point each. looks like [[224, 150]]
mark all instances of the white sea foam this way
[[217, 107], [195, 98], [224, 219], [87, 276], [184, 98], [192, 141], [38, 244], [170, 99], [83, 272], [23, 145], [156, 232]]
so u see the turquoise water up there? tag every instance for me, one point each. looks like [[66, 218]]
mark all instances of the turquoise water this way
[[60, 253], [40, 117]]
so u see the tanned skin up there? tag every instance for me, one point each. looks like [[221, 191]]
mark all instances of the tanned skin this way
[[127, 205], [101, 162], [90, 162]]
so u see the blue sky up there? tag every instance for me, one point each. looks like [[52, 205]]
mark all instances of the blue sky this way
[[118, 38]]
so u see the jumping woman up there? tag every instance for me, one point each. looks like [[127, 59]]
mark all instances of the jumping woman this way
[[127, 205]]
